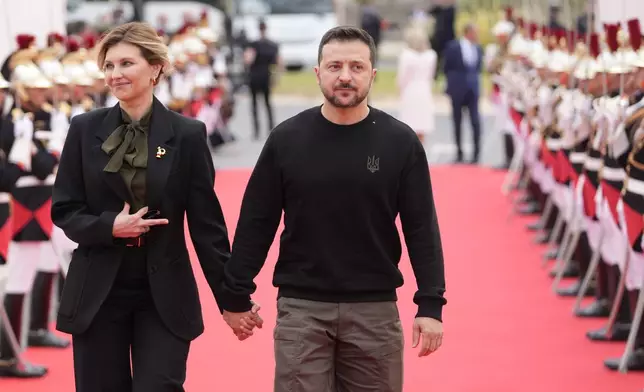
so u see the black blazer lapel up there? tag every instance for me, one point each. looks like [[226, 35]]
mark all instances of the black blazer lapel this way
[[160, 154], [113, 180]]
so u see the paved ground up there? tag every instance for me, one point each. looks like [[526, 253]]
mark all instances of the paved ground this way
[[244, 152]]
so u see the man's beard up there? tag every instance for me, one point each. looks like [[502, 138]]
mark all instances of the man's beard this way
[[338, 103]]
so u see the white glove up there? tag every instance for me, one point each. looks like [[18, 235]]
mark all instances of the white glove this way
[[23, 146]]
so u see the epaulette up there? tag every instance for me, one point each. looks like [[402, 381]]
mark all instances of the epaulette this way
[[632, 162], [65, 108], [633, 122], [16, 114], [203, 59], [177, 104], [87, 103]]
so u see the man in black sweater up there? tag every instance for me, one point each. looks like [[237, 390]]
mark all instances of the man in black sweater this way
[[341, 172]]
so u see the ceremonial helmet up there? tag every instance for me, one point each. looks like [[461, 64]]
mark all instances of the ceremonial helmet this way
[[519, 45], [539, 53], [28, 75], [89, 62], [635, 35], [76, 54], [503, 28], [78, 75], [56, 42], [587, 67], [560, 60], [22, 64], [4, 85], [623, 54], [192, 45], [48, 62], [27, 50]]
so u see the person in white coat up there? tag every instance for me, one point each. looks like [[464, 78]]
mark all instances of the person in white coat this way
[[415, 77]]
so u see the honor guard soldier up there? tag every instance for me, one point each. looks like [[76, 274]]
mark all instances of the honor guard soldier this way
[[625, 145], [604, 159], [56, 42], [612, 174], [180, 83], [81, 84], [591, 118], [603, 89], [16, 301], [496, 57], [6, 138], [30, 247], [576, 141]]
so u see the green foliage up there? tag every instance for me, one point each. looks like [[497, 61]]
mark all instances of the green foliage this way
[[484, 19], [304, 84]]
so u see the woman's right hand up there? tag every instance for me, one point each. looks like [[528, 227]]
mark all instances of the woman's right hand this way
[[128, 226]]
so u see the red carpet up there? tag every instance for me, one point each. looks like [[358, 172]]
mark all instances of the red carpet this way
[[504, 329]]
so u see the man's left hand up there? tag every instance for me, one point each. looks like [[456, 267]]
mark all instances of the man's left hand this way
[[243, 323], [431, 331]]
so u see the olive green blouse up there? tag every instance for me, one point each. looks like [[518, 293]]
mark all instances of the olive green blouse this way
[[127, 147]]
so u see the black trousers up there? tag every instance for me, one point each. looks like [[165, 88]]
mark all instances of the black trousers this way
[[126, 327], [471, 102], [261, 87]]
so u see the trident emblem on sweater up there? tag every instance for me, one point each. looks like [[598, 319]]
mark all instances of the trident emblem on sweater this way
[[373, 164], [160, 152]]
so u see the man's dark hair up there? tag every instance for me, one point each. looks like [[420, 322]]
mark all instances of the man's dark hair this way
[[348, 34]]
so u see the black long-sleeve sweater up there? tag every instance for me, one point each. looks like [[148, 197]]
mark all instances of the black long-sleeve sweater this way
[[341, 188]]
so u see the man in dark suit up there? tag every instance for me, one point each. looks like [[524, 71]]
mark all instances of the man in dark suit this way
[[462, 66]]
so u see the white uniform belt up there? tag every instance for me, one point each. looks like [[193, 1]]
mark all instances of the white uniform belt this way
[[554, 144], [578, 157], [592, 163], [42, 135], [613, 174], [635, 186], [28, 181]]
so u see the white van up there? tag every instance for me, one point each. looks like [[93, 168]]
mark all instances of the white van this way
[[295, 25]]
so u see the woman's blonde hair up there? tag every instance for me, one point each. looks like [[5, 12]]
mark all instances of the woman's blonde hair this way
[[141, 35], [416, 38]]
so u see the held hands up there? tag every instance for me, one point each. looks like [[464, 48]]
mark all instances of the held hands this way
[[431, 331], [243, 323], [127, 226]]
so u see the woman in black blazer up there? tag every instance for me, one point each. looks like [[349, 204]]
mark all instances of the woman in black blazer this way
[[127, 177]]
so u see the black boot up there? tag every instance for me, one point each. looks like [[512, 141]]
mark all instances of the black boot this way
[[621, 328], [508, 145], [598, 309], [25, 370], [572, 271], [9, 365], [619, 333], [634, 363], [573, 290], [42, 299]]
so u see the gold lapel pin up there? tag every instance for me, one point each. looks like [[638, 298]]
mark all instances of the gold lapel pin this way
[[160, 152]]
